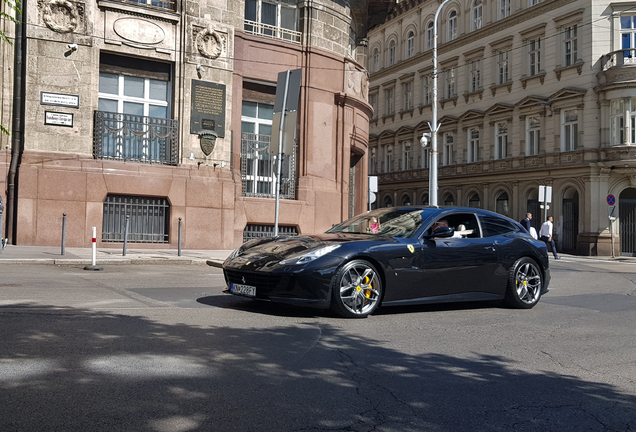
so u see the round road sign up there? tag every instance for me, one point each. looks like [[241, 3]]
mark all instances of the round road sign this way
[[611, 200]]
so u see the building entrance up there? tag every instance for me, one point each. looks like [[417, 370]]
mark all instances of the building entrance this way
[[627, 221]]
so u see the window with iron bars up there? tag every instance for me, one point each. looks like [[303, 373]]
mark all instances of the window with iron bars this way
[[148, 219], [252, 231], [161, 4]]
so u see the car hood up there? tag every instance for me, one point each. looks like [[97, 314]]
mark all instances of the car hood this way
[[272, 250]]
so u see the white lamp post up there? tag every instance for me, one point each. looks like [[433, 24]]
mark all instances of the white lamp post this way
[[432, 170]]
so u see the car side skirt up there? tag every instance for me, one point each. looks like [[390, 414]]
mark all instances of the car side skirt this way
[[450, 298]]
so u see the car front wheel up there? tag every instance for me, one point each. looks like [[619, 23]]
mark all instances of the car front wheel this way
[[524, 284], [357, 290]]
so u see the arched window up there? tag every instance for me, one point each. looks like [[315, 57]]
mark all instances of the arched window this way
[[449, 200], [424, 199], [476, 15], [452, 26], [406, 200], [388, 167], [375, 61], [474, 201], [502, 206], [392, 53], [410, 44], [429, 35], [388, 202]]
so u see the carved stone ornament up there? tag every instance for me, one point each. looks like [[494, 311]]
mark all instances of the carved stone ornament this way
[[208, 142], [209, 43], [61, 16]]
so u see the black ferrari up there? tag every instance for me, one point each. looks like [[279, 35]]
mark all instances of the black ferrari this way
[[396, 256]]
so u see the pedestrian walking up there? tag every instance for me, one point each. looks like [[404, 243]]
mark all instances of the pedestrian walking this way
[[545, 234], [526, 222]]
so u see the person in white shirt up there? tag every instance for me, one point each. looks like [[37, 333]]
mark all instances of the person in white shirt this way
[[545, 234]]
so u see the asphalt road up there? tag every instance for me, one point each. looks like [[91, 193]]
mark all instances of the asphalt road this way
[[159, 348]]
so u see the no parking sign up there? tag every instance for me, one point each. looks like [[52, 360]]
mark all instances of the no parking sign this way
[[611, 199]]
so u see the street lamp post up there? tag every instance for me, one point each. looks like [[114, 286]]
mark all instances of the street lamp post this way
[[432, 171]]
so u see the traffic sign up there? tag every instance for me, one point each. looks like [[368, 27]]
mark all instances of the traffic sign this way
[[611, 200], [610, 210], [371, 197]]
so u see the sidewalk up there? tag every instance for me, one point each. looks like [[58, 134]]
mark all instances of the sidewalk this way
[[112, 256]]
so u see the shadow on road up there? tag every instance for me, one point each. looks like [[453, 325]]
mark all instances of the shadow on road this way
[[79, 370]]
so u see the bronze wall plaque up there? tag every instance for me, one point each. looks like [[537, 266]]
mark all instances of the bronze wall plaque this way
[[208, 108]]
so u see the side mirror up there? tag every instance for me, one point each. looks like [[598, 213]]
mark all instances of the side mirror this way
[[441, 232]]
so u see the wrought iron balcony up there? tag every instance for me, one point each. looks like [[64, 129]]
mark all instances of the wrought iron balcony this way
[[135, 138], [271, 31]]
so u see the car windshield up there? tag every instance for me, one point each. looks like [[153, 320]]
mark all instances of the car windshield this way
[[394, 222]]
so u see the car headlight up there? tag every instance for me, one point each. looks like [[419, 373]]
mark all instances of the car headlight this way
[[310, 256], [235, 253]]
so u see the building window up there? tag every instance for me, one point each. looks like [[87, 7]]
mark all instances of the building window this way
[[389, 95], [410, 45], [426, 157], [449, 83], [570, 45], [473, 145], [447, 156], [502, 67], [388, 202], [429, 35], [474, 201], [474, 76], [161, 4], [449, 200], [504, 9], [133, 118], [256, 161], [424, 199], [271, 18], [375, 62], [373, 160], [476, 15], [406, 200], [570, 131], [501, 205], [406, 156], [388, 158], [501, 139], [373, 101], [534, 56], [253, 231], [407, 92], [452, 26], [628, 35], [391, 53], [617, 118], [426, 90], [533, 135], [533, 2], [148, 219]]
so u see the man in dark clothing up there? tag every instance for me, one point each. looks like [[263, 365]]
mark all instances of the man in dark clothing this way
[[526, 222]]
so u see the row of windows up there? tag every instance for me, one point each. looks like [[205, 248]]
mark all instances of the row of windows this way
[[474, 135], [449, 33], [501, 67]]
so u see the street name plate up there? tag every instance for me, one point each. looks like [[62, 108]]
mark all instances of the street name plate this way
[[59, 99]]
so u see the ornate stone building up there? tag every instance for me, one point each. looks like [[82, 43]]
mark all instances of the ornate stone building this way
[[158, 114], [531, 93]]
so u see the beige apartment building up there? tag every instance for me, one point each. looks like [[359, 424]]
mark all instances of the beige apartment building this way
[[531, 93], [158, 115]]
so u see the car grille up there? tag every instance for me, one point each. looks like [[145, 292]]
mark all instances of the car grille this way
[[265, 282]]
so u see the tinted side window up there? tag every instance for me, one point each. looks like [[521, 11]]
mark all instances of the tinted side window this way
[[493, 225]]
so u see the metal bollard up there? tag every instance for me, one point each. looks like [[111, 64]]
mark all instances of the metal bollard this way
[[63, 232], [179, 251], [126, 233]]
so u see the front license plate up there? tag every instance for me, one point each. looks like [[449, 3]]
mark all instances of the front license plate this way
[[245, 290]]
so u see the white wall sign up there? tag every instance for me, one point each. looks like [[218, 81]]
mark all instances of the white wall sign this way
[[58, 119], [59, 99]]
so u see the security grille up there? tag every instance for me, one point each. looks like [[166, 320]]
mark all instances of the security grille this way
[[627, 228], [570, 225], [135, 138], [259, 231], [149, 219], [258, 168]]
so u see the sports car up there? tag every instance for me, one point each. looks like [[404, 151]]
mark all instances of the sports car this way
[[395, 256]]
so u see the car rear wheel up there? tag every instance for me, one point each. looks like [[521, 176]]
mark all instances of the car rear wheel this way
[[525, 284], [357, 290]]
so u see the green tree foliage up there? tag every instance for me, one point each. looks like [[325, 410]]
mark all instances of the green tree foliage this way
[[15, 5]]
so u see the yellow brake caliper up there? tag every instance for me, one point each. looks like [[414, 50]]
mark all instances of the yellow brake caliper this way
[[367, 292]]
